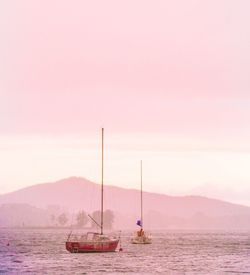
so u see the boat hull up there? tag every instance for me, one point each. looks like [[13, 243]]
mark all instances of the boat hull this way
[[91, 247], [141, 240], [141, 237]]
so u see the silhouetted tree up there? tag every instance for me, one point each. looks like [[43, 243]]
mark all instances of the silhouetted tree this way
[[52, 218], [81, 219], [108, 217], [96, 215], [62, 219]]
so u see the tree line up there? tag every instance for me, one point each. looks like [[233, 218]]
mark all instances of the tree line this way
[[82, 220]]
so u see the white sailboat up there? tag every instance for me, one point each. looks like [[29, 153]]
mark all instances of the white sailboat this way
[[140, 236]]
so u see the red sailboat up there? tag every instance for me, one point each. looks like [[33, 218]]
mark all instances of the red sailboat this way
[[93, 241]]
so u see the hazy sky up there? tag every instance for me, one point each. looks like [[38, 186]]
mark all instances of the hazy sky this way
[[169, 81]]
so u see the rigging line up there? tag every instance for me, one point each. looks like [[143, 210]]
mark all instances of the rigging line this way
[[94, 221]]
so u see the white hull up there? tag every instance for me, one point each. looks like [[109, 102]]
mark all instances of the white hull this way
[[136, 241], [141, 240]]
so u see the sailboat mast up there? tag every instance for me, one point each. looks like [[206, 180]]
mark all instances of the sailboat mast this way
[[141, 199], [102, 185]]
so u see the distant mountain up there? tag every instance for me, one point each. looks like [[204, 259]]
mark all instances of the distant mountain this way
[[161, 211], [233, 194]]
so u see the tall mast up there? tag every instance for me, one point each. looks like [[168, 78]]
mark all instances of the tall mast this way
[[141, 198], [102, 185]]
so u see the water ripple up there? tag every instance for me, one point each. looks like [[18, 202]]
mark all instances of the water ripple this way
[[42, 251]]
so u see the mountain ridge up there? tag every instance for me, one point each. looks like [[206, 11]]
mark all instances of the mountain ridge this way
[[75, 193], [118, 187]]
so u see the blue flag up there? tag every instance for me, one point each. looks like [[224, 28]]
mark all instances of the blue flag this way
[[138, 222]]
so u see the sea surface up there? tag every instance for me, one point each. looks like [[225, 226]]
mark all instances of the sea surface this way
[[42, 251]]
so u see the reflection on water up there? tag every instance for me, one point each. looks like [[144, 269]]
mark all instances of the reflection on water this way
[[42, 251]]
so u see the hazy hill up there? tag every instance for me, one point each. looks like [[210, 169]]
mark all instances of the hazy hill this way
[[160, 210], [22, 215]]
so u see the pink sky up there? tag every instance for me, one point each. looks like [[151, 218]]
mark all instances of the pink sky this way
[[165, 75]]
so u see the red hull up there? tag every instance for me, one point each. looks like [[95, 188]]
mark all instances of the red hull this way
[[88, 247]]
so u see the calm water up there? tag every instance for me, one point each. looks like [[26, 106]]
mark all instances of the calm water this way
[[42, 251]]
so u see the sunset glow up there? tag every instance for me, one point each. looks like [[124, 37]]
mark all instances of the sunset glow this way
[[168, 80]]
